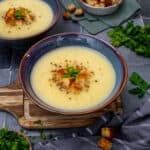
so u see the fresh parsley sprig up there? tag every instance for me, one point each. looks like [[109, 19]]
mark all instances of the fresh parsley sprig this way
[[71, 72], [141, 85], [10, 140], [135, 37], [19, 15]]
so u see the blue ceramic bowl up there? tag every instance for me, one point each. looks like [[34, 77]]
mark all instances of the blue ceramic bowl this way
[[100, 10], [28, 41], [72, 39]]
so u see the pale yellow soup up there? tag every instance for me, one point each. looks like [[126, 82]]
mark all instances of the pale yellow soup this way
[[43, 18], [103, 73]]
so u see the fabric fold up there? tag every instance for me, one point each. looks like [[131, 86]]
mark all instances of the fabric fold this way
[[132, 133]]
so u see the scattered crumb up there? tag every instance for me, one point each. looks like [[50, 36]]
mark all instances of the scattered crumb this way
[[96, 80]]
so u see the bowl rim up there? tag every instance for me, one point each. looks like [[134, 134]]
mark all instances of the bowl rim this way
[[55, 110], [55, 18], [102, 8]]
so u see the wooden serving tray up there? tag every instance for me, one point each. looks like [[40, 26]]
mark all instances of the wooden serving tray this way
[[13, 100]]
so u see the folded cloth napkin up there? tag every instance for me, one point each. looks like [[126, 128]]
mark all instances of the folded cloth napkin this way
[[133, 133], [94, 24]]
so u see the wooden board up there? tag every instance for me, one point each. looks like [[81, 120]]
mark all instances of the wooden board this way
[[13, 100]]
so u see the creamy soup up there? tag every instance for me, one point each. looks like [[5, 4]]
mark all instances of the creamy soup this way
[[23, 18], [73, 78]]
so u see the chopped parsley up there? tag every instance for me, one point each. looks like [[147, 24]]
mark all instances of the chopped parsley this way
[[71, 72], [135, 37], [141, 85], [39, 122], [42, 135], [10, 140], [19, 15]]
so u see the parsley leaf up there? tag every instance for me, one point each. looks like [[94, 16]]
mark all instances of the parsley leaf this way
[[38, 122], [71, 72], [42, 135], [141, 85], [18, 15], [135, 37], [137, 91]]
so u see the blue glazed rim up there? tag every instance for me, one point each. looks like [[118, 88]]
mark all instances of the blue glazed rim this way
[[54, 21], [100, 106]]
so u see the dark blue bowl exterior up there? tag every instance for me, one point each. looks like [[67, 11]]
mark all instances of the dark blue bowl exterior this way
[[51, 43]]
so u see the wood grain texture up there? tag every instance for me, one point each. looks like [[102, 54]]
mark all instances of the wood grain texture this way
[[13, 100]]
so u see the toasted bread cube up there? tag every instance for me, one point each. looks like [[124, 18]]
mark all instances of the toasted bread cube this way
[[79, 12], [66, 15], [104, 144], [107, 132], [90, 2], [71, 8]]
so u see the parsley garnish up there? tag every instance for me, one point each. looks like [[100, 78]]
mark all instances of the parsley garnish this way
[[141, 85], [71, 72], [42, 135], [10, 140], [38, 122], [19, 15], [135, 37]]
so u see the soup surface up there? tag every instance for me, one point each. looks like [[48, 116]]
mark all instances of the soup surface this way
[[23, 18], [73, 78]]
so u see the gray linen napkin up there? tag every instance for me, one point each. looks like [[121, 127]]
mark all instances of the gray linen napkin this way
[[94, 24], [133, 133]]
